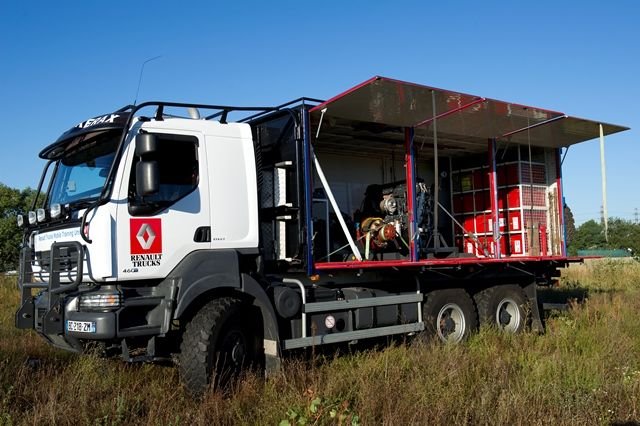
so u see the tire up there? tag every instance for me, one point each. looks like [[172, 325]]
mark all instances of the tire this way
[[449, 315], [505, 307], [217, 345]]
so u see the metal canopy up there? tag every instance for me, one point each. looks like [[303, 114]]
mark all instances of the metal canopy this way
[[466, 121], [392, 102], [563, 132]]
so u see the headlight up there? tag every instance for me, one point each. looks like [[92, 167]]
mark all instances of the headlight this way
[[56, 211], [41, 215], [20, 220], [100, 301], [32, 218]]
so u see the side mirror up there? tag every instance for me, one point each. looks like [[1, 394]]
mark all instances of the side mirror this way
[[145, 144], [147, 175], [147, 178]]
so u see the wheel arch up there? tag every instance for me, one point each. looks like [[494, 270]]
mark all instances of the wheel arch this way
[[206, 275], [201, 272]]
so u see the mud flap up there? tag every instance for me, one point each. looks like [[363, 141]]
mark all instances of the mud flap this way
[[271, 343], [531, 290]]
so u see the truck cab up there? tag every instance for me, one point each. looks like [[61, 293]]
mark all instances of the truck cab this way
[[131, 207]]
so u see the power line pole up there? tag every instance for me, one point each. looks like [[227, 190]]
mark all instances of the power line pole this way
[[605, 218]]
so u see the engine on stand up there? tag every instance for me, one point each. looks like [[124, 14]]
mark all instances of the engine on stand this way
[[382, 223]]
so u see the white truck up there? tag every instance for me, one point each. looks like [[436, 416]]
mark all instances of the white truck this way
[[393, 208]]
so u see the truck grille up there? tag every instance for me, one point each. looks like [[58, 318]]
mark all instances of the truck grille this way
[[68, 259]]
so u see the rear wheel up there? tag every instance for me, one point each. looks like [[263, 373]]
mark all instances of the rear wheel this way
[[218, 344], [450, 315], [505, 307]]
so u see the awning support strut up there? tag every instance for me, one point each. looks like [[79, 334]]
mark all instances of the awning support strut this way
[[436, 172]]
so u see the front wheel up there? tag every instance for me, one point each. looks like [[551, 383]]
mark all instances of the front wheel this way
[[450, 315], [218, 344]]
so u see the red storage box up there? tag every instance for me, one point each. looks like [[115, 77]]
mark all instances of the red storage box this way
[[482, 223], [513, 198], [488, 242], [514, 221], [469, 246], [457, 203], [502, 220], [501, 173], [482, 201], [510, 221], [480, 179], [502, 198], [468, 223], [516, 245], [467, 203], [511, 172]]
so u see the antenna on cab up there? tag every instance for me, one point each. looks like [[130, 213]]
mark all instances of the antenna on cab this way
[[140, 77]]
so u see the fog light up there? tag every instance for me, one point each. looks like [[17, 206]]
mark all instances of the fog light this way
[[100, 301], [20, 220], [32, 218], [56, 211], [41, 215]]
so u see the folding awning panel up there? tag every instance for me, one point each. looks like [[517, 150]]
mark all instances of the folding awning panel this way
[[492, 119], [563, 132], [463, 120], [392, 102]]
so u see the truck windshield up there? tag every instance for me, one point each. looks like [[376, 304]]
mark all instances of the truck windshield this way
[[82, 171]]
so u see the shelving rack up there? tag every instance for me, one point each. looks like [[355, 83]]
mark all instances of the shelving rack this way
[[527, 196]]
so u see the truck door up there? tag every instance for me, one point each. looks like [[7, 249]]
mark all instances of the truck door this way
[[155, 232]]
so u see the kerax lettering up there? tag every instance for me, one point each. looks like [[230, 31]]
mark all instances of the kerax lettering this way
[[98, 120]]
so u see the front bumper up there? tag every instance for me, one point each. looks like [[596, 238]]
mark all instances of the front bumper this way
[[45, 313], [144, 311]]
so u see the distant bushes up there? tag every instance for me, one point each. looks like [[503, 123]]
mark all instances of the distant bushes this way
[[623, 234], [12, 202]]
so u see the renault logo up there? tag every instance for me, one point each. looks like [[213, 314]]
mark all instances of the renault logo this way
[[146, 236]]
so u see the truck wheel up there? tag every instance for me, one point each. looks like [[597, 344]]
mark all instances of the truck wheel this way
[[217, 344], [450, 315], [503, 306]]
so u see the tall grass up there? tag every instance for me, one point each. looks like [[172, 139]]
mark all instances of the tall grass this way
[[584, 370], [621, 274]]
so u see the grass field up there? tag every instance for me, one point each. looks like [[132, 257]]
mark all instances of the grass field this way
[[584, 370]]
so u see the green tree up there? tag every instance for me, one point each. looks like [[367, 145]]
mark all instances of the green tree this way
[[624, 234], [589, 235], [12, 202], [569, 224]]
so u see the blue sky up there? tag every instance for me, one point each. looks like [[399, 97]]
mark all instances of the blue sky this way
[[63, 62]]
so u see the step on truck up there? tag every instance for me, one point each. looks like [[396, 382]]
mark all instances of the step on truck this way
[[172, 231]]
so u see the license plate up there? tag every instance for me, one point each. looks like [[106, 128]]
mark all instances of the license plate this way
[[81, 326]]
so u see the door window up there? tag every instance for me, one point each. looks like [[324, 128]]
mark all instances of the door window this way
[[177, 158]]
